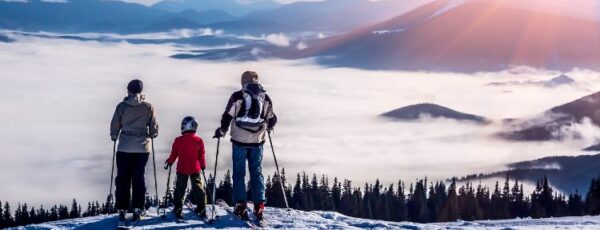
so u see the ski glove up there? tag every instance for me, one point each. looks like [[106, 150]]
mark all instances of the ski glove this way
[[219, 133], [167, 165]]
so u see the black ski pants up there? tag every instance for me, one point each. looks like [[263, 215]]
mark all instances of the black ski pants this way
[[130, 181]]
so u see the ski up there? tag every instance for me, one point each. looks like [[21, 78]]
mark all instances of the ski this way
[[260, 223], [122, 225], [127, 225], [180, 220], [222, 204], [190, 206]]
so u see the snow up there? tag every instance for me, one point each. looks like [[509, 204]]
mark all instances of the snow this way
[[450, 5], [294, 219], [380, 32]]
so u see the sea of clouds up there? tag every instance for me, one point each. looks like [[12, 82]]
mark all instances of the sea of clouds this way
[[58, 96]]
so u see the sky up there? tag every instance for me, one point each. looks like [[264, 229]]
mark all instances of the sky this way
[[59, 96], [150, 2]]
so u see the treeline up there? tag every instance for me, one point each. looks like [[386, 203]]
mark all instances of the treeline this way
[[421, 201], [25, 215]]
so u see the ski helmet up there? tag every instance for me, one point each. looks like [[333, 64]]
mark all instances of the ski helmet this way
[[135, 86], [189, 124]]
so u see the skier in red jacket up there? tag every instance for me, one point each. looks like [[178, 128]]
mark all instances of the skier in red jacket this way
[[189, 148]]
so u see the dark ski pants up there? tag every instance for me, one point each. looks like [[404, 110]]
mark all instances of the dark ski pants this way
[[130, 181], [198, 193], [253, 155]]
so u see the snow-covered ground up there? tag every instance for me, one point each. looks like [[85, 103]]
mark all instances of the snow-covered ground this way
[[294, 219]]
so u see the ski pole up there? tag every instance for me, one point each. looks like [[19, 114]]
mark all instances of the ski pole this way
[[278, 172], [168, 191], [155, 182], [209, 194], [214, 188], [112, 172]]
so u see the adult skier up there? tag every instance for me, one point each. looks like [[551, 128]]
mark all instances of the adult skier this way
[[133, 124], [249, 113]]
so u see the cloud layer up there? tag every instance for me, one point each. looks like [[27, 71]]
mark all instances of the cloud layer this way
[[58, 97]]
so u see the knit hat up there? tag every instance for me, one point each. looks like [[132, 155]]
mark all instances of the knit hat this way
[[135, 86]]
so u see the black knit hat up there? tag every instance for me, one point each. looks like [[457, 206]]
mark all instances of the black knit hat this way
[[135, 86]]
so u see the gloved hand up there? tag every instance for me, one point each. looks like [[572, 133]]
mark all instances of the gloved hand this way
[[167, 165], [114, 138], [219, 133]]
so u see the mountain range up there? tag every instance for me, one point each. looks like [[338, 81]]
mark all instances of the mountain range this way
[[466, 36], [430, 35]]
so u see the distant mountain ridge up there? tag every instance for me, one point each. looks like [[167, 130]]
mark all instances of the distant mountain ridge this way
[[551, 123], [108, 16], [235, 7], [418, 111], [565, 173]]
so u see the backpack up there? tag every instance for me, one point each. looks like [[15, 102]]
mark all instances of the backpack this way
[[250, 117]]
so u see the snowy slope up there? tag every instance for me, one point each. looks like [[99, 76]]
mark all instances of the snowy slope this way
[[279, 218]]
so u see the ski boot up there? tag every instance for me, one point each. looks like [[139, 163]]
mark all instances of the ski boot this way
[[178, 214], [138, 214], [122, 214], [201, 213], [240, 210], [259, 209]]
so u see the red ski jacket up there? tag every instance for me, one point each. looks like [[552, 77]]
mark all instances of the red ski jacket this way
[[189, 148]]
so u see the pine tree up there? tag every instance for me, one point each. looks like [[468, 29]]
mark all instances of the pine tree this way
[[25, 220], [296, 201], [53, 216], [400, 211], [450, 208], [592, 199], [307, 192], [575, 204], [2, 221], [505, 200], [495, 201], [546, 199], [314, 191], [286, 187], [7, 215], [336, 194], [417, 204], [346, 201], [225, 189], [109, 206], [74, 210], [63, 212], [33, 218], [42, 215], [324, 194]]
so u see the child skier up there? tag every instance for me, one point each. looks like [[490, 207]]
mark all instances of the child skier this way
[[189, 148]]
